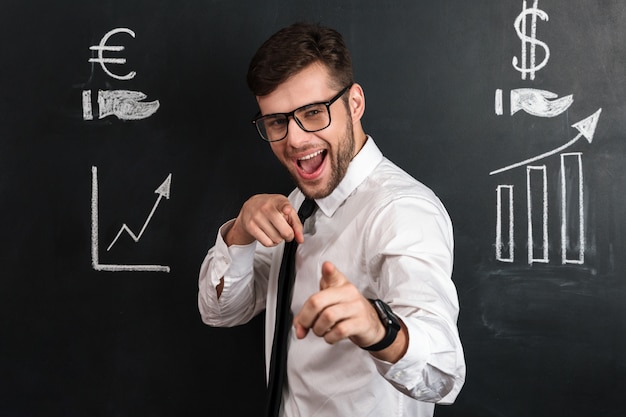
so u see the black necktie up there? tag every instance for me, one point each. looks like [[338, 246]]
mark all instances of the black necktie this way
[[286, 278]]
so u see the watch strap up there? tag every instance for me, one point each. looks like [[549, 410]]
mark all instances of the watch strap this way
[[391, 331]]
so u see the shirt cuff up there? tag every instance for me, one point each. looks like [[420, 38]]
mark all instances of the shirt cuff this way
[[243, 254], [414, 374], [405, 373]]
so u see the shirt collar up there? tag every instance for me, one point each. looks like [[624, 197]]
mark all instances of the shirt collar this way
[[359, 169]]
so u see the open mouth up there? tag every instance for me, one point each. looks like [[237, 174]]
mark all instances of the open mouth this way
[[309, 165]]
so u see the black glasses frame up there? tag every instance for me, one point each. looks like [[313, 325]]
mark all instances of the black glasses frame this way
[[292, 113]]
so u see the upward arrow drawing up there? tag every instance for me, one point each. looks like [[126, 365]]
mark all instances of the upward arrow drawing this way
[[163, 191], [586, 129]]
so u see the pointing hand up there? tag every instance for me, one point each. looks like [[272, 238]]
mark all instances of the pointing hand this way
[[267, 218], [339, 311]]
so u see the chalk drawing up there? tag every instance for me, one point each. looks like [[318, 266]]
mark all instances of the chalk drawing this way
[[163, 191], [540, 103], [104, 47], [87, 111], [544, 214], [498, 100], [125, 105], [510, 246], [537, 103], [565, 227], [586, 129], [520, 27]]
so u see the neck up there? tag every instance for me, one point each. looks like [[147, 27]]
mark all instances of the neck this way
[[359, 139]]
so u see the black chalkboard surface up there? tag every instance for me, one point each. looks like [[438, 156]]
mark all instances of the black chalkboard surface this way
[[125, 141]]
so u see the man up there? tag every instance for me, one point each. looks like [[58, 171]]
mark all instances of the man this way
[[377, 234]]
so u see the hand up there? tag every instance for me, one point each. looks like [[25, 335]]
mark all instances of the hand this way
[[267, 218], [339, 311]]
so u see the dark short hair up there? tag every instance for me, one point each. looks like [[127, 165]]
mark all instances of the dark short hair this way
[[294, 48]]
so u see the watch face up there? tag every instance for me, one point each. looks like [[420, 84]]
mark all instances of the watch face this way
[[380, 310], [387, 316]]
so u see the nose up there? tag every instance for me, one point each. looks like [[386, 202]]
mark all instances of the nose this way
[[295, 134]]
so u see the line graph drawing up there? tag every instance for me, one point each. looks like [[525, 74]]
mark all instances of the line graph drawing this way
[[163, 191], [586, 128]]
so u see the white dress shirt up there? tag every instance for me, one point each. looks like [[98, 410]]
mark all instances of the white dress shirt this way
[[392, 238]]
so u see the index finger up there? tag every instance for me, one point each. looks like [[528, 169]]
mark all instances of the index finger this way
[[313, 307], [291, 216]]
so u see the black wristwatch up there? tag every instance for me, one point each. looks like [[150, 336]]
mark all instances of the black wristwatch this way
[[390, 321]]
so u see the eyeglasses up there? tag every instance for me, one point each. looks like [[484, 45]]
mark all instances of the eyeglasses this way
[[311, 118]]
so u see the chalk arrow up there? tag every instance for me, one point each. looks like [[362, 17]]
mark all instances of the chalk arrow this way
[[163, 191], [586, 129], [537, 103]]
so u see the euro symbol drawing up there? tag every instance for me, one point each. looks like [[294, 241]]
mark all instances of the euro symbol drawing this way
[[104, 47], [520, 28]]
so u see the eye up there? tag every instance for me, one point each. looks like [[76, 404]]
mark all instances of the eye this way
[[313, 111], [275, 122]]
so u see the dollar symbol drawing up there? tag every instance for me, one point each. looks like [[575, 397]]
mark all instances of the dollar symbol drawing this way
[[520, 28]]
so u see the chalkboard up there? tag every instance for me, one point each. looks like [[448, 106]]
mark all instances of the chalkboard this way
[[125, 142]]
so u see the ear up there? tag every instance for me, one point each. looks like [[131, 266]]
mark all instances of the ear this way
[[356, 102]]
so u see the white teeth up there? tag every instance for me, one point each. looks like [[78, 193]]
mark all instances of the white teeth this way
[[313, 155]]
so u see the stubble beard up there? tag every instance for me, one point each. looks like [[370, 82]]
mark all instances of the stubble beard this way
[[339, 166]]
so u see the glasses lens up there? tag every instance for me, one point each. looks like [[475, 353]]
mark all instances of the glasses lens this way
[[313, 117], [272, 127]]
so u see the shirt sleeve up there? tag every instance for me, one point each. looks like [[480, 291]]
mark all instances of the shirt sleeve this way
[[413, 242], [245, 282]]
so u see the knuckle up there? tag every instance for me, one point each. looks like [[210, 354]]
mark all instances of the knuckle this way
[[288, 234], [329, 316], [320, 332], [341, 330], [316, 301]]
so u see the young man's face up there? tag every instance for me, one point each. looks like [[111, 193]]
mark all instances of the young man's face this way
[[317, 161]]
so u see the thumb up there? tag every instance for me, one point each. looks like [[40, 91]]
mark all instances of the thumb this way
[[331, 277]]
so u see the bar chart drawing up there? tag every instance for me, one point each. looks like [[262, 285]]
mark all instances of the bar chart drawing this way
[[537, 213], [567, 229], [504, 253], [572, 210]]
